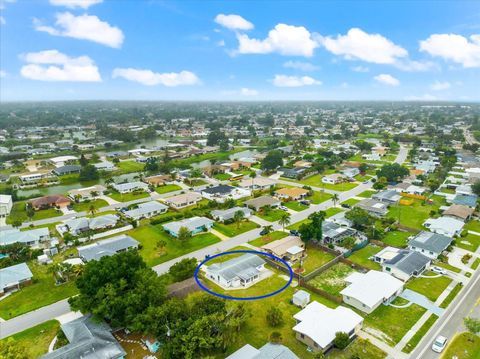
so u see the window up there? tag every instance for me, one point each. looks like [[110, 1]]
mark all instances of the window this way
[[302, 336]]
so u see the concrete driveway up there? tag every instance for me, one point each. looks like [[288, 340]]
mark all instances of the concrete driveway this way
[[422, 301]]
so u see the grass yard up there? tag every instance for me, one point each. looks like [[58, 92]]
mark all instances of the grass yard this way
[[470, 242], [297, 225], [394, 323], [272, 215], [429, 287], [333, 211], [463, 346], [315, 259], [222, 176], [351, 201], [232, 230], [40, 293], [295, 206], [130, 166], [361, 257], [197, 182], [397, 238], [359, 348], [333, 279], [451, 296], [85, 206], [127, 197], [167, 188], [413, 342], [227, 257], [19, 214], [473, 226], [448, 266], [259, 242], [319, 197], [36, 340], [415, 215], [159, 247], [366, 194], [476, 263]]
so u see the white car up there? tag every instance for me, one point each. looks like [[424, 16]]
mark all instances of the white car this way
[[439, 344], [438, 270], [283, 208]]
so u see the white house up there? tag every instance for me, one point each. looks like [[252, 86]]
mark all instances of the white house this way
[[61, 161], [318, 324], [86, 193], [367, 291], [183, 200], [6, 205], [105, 166], [334, 178], [229, 214], [447, 226], [429, 244], [146, 210], [238, 272], [130, 187], [32, 237], [223, 192], [257, 183]]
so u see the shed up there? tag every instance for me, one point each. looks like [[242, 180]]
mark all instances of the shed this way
[[301, 298]]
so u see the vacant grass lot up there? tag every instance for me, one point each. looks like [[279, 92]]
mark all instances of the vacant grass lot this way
[[394, 322], [159, 247], [130, 166], [41, 292], [351, 201], [451, 296], [234, 229], [333, 211], [259, 242], [222, 176], [127, 197], [272, 215], [473, 226], [295, 206], [359, 348], [167, 188], [319, 197], [397, 238], [333, 279], [316, 181], [361, 257], [415, 215], [36, 340], [19, 214], [315, 259], [429, 287], [366, 194], [85, 206], [463, 346]]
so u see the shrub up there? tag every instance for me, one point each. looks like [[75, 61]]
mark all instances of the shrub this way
[[274, 317], [341, 340]]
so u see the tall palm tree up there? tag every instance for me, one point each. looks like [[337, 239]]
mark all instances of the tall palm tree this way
[[284, 220], [237, 217], [335, 199], [92, 210], [268, 229]]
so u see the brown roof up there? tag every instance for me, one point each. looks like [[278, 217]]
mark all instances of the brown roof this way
[[49, 200], [183, 288], [460, 211], [292, 192]]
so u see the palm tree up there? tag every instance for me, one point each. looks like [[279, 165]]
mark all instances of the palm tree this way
[[335, 198], [253, 174], [92, 210], [237, 217], [268, 229], [284, 220]]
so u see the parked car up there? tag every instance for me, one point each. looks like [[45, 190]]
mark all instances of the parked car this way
[[305, 202], [345, 205], [439, 344], [294, 232], [264, 232], [283, 208], [438, 270]]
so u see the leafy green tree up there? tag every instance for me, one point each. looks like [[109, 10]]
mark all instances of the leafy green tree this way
[[30, 211], [89, 173], [118, 288], [360, 218], [476, 188], [83, 161], [272, 160], [393, 172], [335, 199], [10, 349], [363, 167], [183, 269], [276, 337], [184, 234], [341, 340], [313, 229], [472, 325], [151, 165], [275, 317], [238, 217], [214, 138]]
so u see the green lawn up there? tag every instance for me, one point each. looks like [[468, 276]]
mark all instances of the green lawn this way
[[259, 242], [413, 216], [463, 346], [360, 348], [333, 279], [294, 205], [127, 197], [429, 287], [130, 166], [154, 253], [361, 178], [361, 257], [366, 194], [333, 211], [197, 182], [394, 322], [448, 266], [316, 181], [413, 342], [351, 201], [397, 238], [19, 214], [85, 206], [470, 242], [272, 215], [297, 225], [41, 292], [476, 263], [36, 340], [319, 197], [167, 188], [232, 230], [473, 226], [222, 176], [451, 296], [315, 259]]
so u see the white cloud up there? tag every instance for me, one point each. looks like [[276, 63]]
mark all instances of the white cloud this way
[[2, 74], [387, 79], [233, 22], [72, 4], [52, 65], [294, 81], [299, 65], [359, 45], [452, 47], [85, 27], [283, 39], [221, 43], [439, 86], [360, 69], [150, 78], [248, 92], [416, 66]]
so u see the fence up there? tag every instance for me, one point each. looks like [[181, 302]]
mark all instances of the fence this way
[[321, 269], [334, 298], [355, 248]]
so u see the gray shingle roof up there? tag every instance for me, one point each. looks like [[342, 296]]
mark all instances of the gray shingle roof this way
[[107, 247], [190, 223], [243, 267], [431, 241], [14, 274], [409, 261]]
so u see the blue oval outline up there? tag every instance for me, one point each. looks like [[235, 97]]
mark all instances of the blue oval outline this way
[[275, 258]]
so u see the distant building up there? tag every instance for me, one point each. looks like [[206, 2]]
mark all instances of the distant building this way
[[223, 192], [447, 226], [32, 237], [373, 207], [259, 202], [87, 193], [130, 187], [67, 170]]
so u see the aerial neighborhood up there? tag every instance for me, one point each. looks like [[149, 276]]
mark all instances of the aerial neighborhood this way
[[361, 218]]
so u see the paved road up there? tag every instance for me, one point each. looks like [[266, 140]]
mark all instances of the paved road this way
[[452, 320], [402, 154], [469, 137]]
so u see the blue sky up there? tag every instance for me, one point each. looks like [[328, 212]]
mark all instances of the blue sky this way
[[239, 50]]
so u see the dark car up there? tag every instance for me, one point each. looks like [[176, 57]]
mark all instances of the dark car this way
[[345, 205], [294, 232], [305, 202], [264, 232]]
